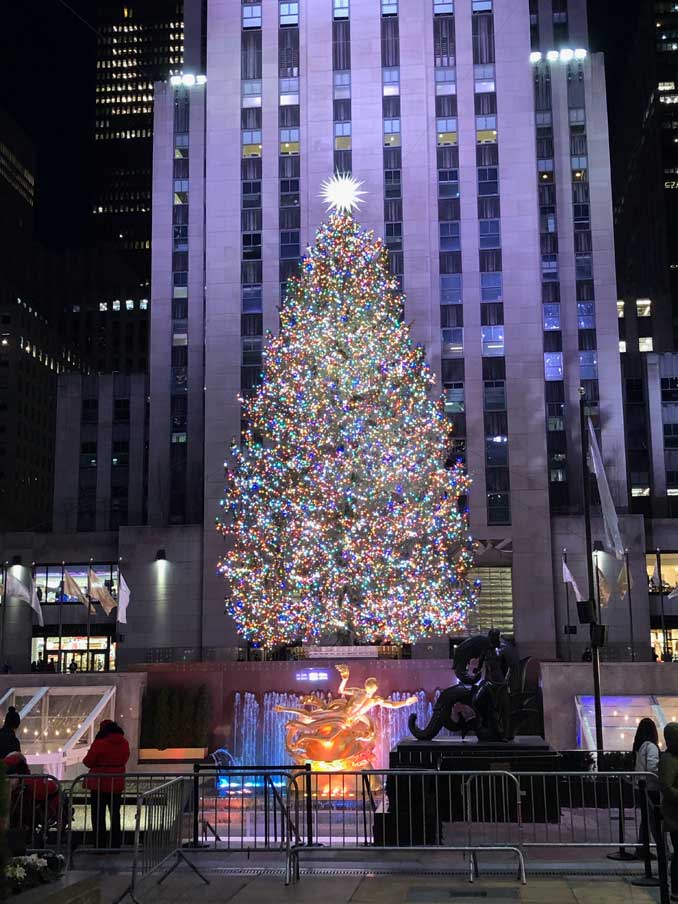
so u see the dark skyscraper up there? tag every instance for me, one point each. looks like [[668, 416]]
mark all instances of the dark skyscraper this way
[[137, 45]]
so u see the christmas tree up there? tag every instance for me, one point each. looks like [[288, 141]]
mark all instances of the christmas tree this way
[[340, 510]]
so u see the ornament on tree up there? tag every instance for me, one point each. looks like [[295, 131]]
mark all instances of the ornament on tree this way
[[340, 509]]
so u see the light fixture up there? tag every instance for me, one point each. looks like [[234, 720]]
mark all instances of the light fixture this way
[[160, 555], [566, 54], [580, 53], [187, 80], [535, 56], [552, 56]]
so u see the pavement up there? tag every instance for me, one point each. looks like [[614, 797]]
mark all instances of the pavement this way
[[183, 887]]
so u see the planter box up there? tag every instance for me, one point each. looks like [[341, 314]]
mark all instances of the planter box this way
[[172, 754], [73, 888]]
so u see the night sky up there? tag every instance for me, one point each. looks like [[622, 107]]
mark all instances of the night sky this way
[[48, 58]]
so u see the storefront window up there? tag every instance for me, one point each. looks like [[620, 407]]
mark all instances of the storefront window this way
[[102, 651], [668, 563], [495, 604], [48, 579]]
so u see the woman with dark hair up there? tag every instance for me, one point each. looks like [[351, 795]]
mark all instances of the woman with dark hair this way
[[8, 739], [646, 749]]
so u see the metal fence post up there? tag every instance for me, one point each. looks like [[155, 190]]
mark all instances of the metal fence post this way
[[662, 863], [196, 804], [309, 805]]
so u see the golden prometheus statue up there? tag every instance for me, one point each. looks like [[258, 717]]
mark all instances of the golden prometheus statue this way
[[339, 735]]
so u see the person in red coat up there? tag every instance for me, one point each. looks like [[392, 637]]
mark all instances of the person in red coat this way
[[106, 760]]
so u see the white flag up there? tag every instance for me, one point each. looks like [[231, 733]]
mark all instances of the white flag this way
[[674, 593], [613, 538], [123, 600], [568, 578], [98, 591], [29, 594], [72, 589], [654, 580]]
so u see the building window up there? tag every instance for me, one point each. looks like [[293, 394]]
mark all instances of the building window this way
[[443, 7], [551, 316], [394, 236], [643, 307], [492, 340], [645, 344], [588, 365], [391, 82], [450, 289], [392, 132], [449, 236], [289, 13], [251, 15], [340, 8], [251, 143], [553, 366], [453, 342], [289, 141], [491, 287], [289, 244], [498, 508], [586, 315], [251, 246], [251, 300], [489, 234], [389, 7], [446, 128], [448, 183], [392, 186], [488, 181]]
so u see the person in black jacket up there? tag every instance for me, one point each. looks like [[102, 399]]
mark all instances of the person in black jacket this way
[[8, 739]]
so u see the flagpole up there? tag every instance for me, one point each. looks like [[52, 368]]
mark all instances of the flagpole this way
[[595, 650], [89, 610], [61, 616], [567, 609], [628, 593], [665, 657]]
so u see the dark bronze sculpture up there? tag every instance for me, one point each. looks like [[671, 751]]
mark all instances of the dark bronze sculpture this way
[[490, 699]]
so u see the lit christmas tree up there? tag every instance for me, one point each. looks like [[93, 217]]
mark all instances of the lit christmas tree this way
[[340, 511]]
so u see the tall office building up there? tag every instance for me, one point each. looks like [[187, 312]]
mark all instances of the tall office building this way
[[479, 130], [138, 43]]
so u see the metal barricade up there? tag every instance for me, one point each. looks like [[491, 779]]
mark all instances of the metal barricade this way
[[408, 809], [102, 819], [38, 813], [163, 810], [243, 809], [583, 809]]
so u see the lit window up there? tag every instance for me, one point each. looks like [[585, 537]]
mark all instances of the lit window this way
[[389, 7], [446, 129], [450, 289], [450, 236], [342, 85], [289, 13], [103, 305], [482, 6], [492, 339], [588, 365], [490, 286], [116, 305], [643, 307], [640, 491], [453, 342], [251, 16], [289, 141], [667, 86], [392, 132], [551, 316], [251, 93], [129, 304], [443, 7], [446, 80], [454, 398], [620, 309], [143, 304], [340, 8], [391, 81], [289, 92], [553, 366], [622, 346], [586, 315], [645, 344]]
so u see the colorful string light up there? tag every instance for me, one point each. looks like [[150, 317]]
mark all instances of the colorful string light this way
[[340, 509]]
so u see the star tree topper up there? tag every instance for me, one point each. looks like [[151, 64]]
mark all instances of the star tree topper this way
[[341, 192]]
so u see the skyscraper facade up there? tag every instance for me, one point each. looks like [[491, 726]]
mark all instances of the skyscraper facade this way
[[137, 44], [479, 130]]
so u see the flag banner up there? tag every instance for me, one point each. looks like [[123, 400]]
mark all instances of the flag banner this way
[[654, 580], [123, 600], [99, 592], [604, 589], [612, 535], [568, 578], [673, 594], [71, 589], [27, 592], [624, 581]]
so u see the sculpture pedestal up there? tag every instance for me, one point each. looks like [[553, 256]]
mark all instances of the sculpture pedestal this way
[[418, 805]]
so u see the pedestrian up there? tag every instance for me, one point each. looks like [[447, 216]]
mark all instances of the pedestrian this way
[[587, 655], [8, 739], [73, 667], [668, 785], [646, 750], [41, 662], [106, 760]]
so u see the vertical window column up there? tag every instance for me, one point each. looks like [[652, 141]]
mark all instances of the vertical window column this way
[[393, 204], [289, 163], [341, 68], [556, 437], [447, 163], [179, 352], [251, 316], [491, 270]]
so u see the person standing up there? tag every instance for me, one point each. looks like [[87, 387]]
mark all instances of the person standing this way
[[8, 739], [646, 750], [106, 760], [668, 785]]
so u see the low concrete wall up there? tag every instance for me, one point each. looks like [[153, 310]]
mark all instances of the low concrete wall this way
[[563, 681]]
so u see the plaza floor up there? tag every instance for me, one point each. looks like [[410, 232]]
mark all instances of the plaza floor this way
[[185, 888]]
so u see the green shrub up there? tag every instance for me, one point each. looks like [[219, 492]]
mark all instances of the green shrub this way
[[175, 717], [201, 717], [161, 720]]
